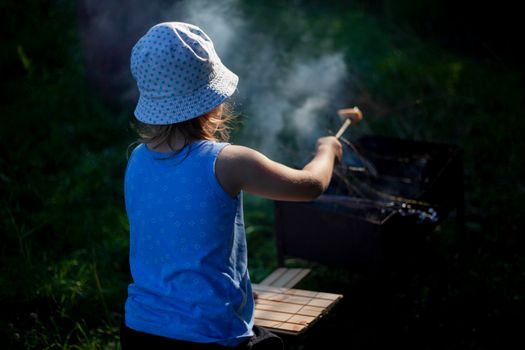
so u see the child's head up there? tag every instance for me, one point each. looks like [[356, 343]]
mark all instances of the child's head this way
[[182, 83]]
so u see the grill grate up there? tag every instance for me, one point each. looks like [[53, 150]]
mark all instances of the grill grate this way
[[365, 217]]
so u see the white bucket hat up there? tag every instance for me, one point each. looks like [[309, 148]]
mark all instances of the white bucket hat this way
[[179, 74]]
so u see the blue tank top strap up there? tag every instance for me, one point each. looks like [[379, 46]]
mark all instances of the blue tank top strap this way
[[212, 176]]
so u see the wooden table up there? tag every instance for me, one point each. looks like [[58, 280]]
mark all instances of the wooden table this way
[[288, 310]]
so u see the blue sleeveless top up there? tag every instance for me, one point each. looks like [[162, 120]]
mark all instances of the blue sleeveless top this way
[[188, 253]]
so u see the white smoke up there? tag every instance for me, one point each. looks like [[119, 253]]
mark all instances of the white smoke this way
[[294, 95], [289, 86]]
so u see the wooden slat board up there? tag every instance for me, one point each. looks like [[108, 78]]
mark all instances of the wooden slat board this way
[[290, 311], [285, 277]]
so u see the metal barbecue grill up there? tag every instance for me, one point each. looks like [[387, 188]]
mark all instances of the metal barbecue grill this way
[[380, 204]]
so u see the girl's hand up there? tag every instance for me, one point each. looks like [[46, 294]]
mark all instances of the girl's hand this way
[[331, 143]]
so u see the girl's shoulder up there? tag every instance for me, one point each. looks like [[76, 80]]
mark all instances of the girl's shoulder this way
[[236, 154], [208, 147], [133, 150]]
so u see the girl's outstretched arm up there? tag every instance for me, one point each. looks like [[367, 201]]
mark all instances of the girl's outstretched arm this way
[[242, 168]]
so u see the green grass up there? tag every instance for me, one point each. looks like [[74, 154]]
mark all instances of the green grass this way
[[65, 234]]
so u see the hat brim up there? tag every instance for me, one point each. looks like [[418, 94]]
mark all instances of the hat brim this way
[[179, 108]]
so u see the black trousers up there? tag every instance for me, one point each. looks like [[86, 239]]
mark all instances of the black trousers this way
[[131, 339]]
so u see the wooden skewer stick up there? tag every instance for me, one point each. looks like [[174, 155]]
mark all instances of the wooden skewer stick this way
[[351, 115], [343, 127]]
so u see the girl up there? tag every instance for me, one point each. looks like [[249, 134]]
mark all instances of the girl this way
[[183, 194]]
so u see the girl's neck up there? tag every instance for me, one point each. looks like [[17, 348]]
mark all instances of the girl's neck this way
[[177, 143]]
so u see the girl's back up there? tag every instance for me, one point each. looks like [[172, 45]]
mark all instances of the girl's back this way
[[188, 250]]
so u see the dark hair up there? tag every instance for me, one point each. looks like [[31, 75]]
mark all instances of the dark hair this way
[[213, 126]]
